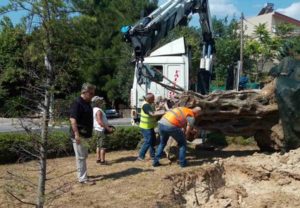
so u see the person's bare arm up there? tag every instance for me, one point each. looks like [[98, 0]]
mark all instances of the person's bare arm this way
[[191, 133], [75, 130], [188, 129], [189, 125], [157, 113], [99, 119], [191, 130]]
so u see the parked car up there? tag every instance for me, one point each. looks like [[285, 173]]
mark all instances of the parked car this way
[[112, 113]]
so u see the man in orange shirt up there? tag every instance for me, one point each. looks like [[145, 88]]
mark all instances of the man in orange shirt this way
[[176, 123]]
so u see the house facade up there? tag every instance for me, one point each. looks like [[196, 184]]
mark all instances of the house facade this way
[[271, 19]]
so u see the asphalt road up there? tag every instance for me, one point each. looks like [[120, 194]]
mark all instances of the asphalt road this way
[[15, 125]]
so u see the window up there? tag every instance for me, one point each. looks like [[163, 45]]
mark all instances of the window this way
[[158, 70]]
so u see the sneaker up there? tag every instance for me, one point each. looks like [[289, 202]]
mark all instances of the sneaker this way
[[139, 159], [87, 182], [103, 162], [98, 161]]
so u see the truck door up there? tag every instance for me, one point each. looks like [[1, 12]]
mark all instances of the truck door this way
[[175, 73]]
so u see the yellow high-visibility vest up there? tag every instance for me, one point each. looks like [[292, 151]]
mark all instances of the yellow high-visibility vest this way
[[147, 121]]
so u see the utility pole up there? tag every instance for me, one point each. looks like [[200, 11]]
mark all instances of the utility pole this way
[[242, 44], [240, 69]]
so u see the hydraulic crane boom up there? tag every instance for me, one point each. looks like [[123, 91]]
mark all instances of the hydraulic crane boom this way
[[147, 32]]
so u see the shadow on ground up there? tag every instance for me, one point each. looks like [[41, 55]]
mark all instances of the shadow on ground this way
[[198, 157], [124, 159], [121, 174]]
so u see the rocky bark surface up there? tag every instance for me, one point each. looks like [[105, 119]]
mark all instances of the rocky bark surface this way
[[239, 113]]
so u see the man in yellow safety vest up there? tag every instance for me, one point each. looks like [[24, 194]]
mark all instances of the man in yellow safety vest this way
[[176, 123], [147, 124]]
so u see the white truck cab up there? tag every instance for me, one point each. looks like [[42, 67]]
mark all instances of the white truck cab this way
[[172, 60]]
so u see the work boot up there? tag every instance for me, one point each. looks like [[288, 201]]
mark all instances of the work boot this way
[[184, 164], [156, 164]]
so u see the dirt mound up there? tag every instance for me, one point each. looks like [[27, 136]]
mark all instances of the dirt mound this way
[[255, 181]]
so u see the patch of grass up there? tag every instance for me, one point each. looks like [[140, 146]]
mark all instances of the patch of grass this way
[[219, 139], [239, 140]]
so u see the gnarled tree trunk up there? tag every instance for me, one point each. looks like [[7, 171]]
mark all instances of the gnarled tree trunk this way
[[239, 113]]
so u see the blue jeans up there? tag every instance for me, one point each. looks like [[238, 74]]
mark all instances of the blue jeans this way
[[175, 132], [149, 143]]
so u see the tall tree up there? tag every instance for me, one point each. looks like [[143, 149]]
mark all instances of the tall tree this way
[[45, 20], [261, 49], [13, 75], [287, 38], [105, 57], [227, 47]]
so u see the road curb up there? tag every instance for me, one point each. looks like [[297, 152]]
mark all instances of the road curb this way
[[6, 120]]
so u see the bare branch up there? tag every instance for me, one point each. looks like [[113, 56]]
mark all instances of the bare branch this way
[[21, 178], [30, 153], [51, 171], [59, 191], [33, 170], [20, 200]]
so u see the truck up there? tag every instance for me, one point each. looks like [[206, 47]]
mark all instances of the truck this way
[[266, 114], [165, 71], [173, 62]]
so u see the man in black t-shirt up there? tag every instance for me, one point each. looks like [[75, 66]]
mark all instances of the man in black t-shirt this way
[[81, 118]]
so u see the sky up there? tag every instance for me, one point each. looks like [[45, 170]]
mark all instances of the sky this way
[[15, 16], [230, 8], [222, 8]]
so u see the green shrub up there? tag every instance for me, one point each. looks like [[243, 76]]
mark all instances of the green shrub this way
[[59, 143], [9, 144], [124, 138], [14, 145]]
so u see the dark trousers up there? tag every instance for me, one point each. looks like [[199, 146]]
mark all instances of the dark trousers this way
[[175, 132], [149, 143]]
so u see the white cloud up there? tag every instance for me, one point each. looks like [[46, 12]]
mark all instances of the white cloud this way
[[292, 11], [223, 8], [219, 8]]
